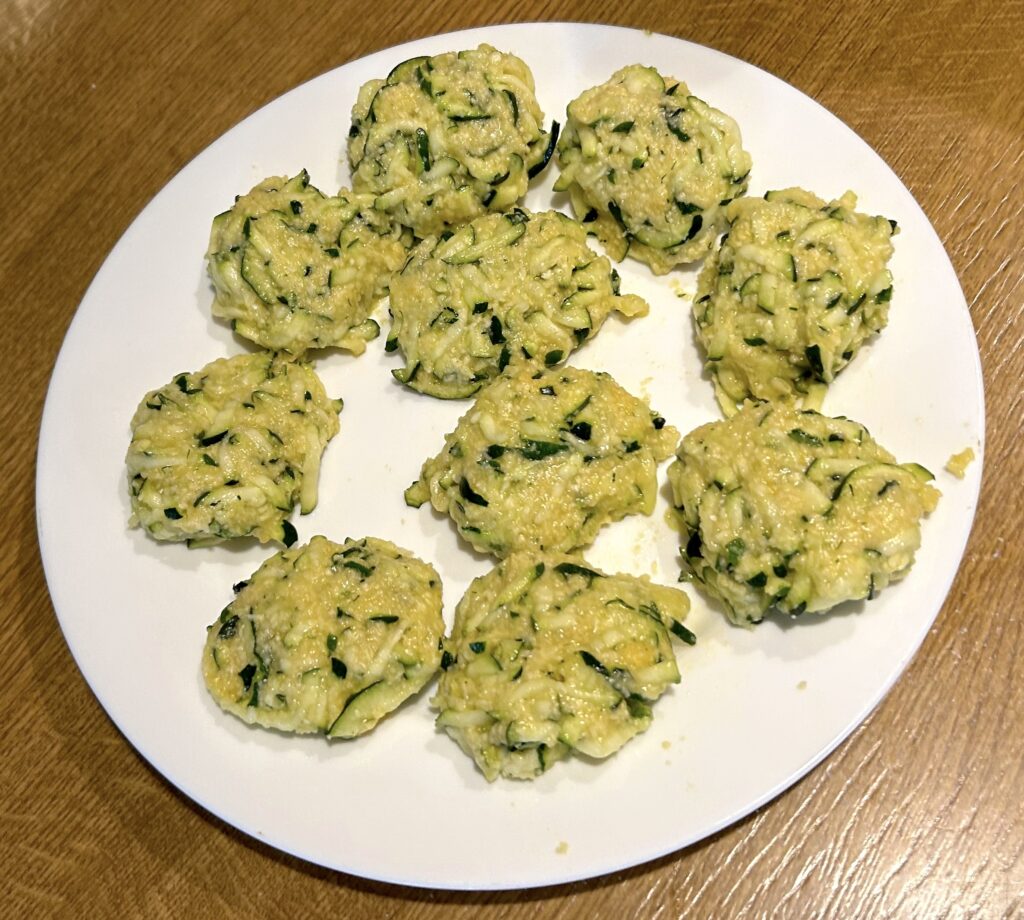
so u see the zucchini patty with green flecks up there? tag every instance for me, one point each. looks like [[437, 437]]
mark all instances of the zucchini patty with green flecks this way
[[327, 638], [793, 509], [446, 138], [227, 451], [294, 269], [796, 288], [549, 655], [544, 459], [503, 289], [649, 167]]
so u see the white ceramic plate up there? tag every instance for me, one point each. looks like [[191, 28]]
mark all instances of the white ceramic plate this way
[[755, 710]]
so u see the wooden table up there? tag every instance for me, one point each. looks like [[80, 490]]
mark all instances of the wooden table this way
[[918, 814]]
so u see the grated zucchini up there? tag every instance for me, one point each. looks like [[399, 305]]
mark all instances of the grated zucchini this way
[[313, 644], [548, 656], [228, 451], [788, 508], [500, 289], [543, 459], [650, 167]]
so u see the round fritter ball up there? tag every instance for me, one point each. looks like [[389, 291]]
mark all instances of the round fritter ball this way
[[548, 655], [294, 269], [650, 167], [796, 288], [503, 289], [792, 509], [446, 138], [227, 451], [327, 638], [544, 459]]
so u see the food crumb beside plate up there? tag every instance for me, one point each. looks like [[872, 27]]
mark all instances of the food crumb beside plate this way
[[957, 464], [802, 685], [562, 848]]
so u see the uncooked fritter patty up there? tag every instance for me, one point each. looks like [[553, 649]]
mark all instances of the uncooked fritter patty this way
[[327, 637], [545, 458], [793, 509], [446, 138], [294, 269], [651, 166], [227, 451], [503, 289], [549, 655], [796, 288]]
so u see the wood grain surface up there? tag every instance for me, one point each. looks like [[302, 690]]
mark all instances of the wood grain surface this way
[[919, 814]]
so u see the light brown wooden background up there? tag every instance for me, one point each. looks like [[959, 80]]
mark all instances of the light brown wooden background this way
[[918, 814]]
